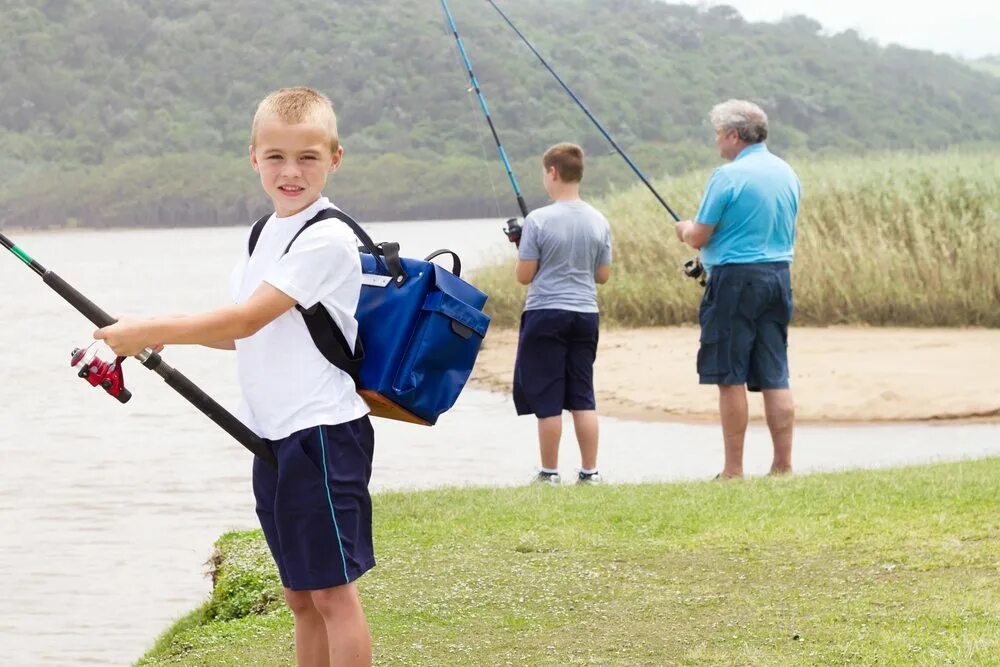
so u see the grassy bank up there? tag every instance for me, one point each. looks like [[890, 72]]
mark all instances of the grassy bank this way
[[898, 239], [890, 568]]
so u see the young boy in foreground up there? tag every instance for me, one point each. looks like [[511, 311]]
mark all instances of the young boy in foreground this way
[[315, 509]]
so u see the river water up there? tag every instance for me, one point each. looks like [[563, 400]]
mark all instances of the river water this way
[[108, 512]]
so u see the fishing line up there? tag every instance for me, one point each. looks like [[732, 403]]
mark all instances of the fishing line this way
[[486, 161], [485, 109], [585, 110]]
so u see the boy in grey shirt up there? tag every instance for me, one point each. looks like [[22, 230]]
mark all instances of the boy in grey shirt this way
[[565, 251]]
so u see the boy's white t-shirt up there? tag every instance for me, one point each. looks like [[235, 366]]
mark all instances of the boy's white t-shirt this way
[[287, 383]]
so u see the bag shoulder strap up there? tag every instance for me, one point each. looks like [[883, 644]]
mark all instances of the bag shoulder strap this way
[[258, 227], [386, 255], [325, 333]]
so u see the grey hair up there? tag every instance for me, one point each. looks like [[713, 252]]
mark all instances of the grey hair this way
[[748, 119]]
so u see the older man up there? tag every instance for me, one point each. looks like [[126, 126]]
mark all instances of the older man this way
[[745, 230]]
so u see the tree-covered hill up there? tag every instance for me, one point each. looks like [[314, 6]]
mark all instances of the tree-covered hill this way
[[136, 112], [989, 64]]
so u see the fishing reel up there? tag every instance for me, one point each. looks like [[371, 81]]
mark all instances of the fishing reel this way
[[99, 373], [693, 268], [513, 232]]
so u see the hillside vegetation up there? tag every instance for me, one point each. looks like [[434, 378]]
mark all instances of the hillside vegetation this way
[[136, 112]]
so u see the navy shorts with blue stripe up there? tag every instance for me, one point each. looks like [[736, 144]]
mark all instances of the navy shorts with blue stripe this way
[[554, 370], [315, 509], [744, 318]]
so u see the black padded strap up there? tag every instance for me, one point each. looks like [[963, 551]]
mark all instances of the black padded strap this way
[[325, 333], [325, 214], [330, 341], [386, 254], [258, 227]]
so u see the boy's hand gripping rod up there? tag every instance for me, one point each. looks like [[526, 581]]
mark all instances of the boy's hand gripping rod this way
[[151, 360]]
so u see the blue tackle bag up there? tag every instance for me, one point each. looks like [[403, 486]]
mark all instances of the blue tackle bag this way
[[420, 328]]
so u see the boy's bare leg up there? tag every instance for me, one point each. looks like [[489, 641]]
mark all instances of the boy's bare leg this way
[[346, 629], [549, 434], [779, 408], [586, 426], [733, 411], [310, 630]]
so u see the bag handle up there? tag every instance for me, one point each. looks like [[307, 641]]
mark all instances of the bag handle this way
[[390, 251], [456, 266]]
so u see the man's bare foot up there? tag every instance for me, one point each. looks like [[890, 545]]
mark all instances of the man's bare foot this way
[[780, 472], [723, 476]]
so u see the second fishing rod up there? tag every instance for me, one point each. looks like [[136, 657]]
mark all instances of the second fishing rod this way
[[513, 229], [586, 111]]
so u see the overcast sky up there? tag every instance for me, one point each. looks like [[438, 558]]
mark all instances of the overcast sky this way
[[966, 28]]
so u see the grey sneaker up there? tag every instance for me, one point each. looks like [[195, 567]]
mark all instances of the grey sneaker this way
[[589, 478], [550, 478]]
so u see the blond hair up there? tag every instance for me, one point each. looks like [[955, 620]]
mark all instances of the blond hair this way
[[298, 105], [568, 161]]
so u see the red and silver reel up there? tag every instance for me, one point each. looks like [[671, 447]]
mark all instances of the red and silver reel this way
[[106, 375]]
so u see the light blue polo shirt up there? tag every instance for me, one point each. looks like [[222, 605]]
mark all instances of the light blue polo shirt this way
[[752, 201]]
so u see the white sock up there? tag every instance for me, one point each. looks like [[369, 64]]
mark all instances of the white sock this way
[[550, 471], [588, 471]]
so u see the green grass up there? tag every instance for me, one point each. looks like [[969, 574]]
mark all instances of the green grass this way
[[894, 239], [897, 567]]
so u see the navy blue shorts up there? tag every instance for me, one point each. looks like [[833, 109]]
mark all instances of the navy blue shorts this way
[[744, 320], [315, 508], [554, 370]]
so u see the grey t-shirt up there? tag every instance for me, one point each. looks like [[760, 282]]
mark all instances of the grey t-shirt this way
[[570, 239]]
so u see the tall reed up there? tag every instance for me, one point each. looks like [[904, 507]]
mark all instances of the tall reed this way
[[892, 239]]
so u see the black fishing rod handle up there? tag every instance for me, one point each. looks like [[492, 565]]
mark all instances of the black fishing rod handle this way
[[85, 306], [218, 414]]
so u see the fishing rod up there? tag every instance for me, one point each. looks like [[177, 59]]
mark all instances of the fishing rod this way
[[111, 373], [513, 230], [587, 111]]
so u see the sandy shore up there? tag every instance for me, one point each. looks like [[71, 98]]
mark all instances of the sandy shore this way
[[838, 374]]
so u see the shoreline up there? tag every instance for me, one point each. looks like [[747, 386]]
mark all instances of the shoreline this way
[[839, 375]]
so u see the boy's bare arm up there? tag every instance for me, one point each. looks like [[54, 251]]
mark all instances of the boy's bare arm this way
[[128, 338], [602, 274], [221, 345], [525, 270], [229, 344]]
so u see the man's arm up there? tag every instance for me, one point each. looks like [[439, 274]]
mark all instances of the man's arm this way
[[602, 274], [214, 328], [718, 195], [695, 234]]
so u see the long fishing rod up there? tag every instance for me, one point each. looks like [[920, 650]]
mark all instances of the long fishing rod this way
[[486, 111], [151, 360], [586, 111]]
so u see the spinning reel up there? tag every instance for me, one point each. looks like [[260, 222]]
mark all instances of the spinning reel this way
[[513, 232], [99, 373], [693, 268]]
